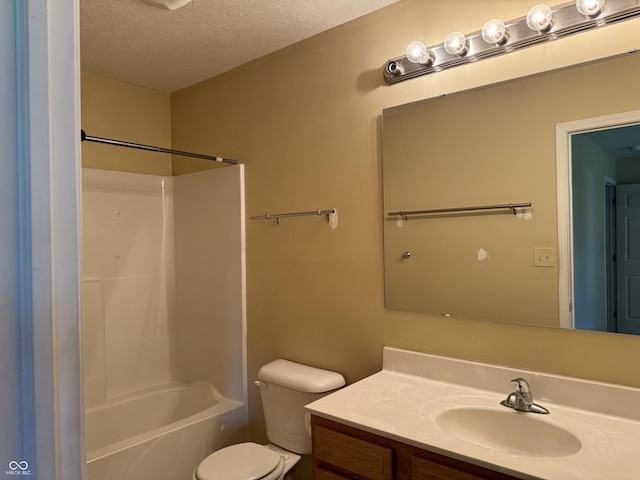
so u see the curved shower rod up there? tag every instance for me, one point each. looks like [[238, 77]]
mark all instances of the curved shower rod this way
[[151, 148]]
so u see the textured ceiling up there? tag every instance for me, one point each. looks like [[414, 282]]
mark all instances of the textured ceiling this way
[[135, 42], [621, 142]]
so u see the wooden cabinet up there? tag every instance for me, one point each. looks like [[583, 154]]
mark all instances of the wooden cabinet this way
[[352, 454], [341, 452]]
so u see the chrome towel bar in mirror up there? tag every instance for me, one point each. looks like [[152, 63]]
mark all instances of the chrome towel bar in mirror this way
[[511, 206]]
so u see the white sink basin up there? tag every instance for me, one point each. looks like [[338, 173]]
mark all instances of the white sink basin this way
[[508, 431]]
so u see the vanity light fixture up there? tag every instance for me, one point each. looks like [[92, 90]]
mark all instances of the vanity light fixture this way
[[539, 18], [495, 31], [541, 24]]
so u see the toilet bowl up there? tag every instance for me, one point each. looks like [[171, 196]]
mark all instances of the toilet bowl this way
[[285, 388], [246, 461]]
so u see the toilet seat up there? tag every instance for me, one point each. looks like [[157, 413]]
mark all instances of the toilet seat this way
[[244, 461]]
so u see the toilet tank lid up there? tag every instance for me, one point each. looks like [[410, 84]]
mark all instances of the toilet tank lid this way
[[300, 377]]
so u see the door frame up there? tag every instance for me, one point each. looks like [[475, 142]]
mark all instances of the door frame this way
[[610, 185], [564, 132], [45, 60]]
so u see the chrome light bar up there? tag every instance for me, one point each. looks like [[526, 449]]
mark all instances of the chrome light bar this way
[[566, 20]]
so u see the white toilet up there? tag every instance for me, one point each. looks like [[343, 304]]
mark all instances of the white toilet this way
[[285, 387]]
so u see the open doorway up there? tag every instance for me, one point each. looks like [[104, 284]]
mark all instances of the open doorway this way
[[599, 223]]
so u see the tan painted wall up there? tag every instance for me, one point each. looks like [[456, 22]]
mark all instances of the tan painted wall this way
[[305, 121], [117, 110]]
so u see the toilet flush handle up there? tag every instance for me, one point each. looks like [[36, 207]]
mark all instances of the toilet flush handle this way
[[260, 385]]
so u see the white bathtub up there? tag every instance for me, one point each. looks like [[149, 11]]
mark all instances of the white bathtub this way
[[161, 433]]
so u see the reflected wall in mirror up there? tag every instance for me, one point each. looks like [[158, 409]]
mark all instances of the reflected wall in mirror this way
[[488, 146]]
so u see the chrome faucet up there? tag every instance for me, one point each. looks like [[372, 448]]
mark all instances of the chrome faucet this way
[[521, 399]]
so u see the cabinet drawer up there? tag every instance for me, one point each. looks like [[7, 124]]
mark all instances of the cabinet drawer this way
[[360, 457]]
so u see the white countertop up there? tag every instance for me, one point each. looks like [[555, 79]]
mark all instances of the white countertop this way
[[403, 400]]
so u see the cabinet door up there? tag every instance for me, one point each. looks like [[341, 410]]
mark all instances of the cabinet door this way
[[324, 474], [424, 469], [350, 454]]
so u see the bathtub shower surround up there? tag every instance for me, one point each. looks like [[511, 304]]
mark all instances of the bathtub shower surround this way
[[152, 251], [127, 297]]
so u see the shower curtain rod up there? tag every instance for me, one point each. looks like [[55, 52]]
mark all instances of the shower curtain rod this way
[[120, 143]]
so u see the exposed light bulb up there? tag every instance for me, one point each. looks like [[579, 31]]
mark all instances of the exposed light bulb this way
[[591, 8], [455, 43], [494, 31], [539, 18], [417, 53]]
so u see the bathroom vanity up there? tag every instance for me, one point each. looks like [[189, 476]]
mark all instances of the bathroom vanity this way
[[425, 417]]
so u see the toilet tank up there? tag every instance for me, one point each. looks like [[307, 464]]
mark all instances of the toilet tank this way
[[286, 387]]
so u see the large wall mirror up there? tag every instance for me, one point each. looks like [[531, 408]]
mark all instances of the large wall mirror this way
[[497, 146]]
